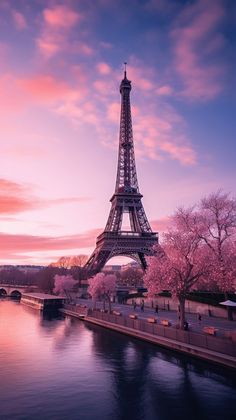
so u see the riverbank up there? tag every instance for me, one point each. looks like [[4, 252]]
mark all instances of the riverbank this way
[[221, 351]]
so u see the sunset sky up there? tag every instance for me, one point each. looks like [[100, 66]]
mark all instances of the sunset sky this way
[[61, 63]]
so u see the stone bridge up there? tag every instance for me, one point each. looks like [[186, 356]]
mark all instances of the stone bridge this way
[[15, 290]]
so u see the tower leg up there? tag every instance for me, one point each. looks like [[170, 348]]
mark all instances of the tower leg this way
[[97, 261], [142, 260]]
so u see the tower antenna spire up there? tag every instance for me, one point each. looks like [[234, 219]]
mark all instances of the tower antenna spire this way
[[125, 69]]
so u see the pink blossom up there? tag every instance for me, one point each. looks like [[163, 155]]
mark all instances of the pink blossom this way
[[102, 286], [179, 263], [63, 284]]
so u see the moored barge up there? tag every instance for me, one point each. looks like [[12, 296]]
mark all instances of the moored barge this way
[[42, 301]]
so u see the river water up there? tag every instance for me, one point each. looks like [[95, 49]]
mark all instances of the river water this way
[[67, 369]]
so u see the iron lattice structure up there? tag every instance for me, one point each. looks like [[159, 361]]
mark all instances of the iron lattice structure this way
[[139, 240]]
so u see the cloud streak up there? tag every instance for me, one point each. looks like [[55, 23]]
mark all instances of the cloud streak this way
[[195, 36], [61, 16], [12, 246], [19, 20], [56, 30], [17, 198], [162, 135]]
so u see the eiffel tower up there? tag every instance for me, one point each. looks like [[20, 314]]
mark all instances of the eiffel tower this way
[[137, 242]]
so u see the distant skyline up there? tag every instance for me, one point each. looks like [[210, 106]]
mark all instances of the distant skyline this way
[[61, 63]]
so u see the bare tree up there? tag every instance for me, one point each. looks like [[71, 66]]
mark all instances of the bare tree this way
[[132, 277]]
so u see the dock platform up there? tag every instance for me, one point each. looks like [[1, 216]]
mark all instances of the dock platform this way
[[42, 301]]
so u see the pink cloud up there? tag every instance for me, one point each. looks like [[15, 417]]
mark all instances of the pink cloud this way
[[183, 153], [51, 42], [61, 16], [48, 47], [19, 20], [54, 37], [196, 29], [17, 198], [103, 87], [45, 88], [159, 131], [103, 68], [163, 137], [88, 113], [140, 76], [156, 137], [16, 93], [113, 112], [13, 197], [10, 187], [83, 48], [14, 245], [164, 90]]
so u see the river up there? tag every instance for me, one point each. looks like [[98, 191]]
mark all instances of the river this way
[[63, 368]]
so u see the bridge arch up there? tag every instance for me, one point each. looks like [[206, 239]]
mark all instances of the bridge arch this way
[[3, 292], [15, 294]]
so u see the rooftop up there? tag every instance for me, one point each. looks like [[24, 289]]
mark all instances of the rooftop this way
[[42, 296]]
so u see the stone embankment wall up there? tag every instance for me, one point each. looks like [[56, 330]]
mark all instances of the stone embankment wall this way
[[214, 349]]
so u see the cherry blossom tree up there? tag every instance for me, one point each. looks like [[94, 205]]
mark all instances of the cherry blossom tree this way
[[214, 221], [217, 227], [102, 286], [179, 263], [63, 284]]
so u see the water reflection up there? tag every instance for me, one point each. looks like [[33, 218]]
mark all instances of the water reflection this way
[[64, 368], [149, 383], [128, 367]]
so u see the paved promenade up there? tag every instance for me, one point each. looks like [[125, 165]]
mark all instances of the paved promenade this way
[[220, 324]]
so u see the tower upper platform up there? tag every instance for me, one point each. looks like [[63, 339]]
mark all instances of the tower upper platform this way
[[125, 84]]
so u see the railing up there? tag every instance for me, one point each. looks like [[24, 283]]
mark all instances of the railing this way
[[218, 344], [128, 233], [78, 309]]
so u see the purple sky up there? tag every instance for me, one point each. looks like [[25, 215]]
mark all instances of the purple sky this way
[[61, 63]]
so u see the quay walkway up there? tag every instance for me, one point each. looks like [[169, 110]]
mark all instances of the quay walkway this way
[[220, 324], [215, 349]]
